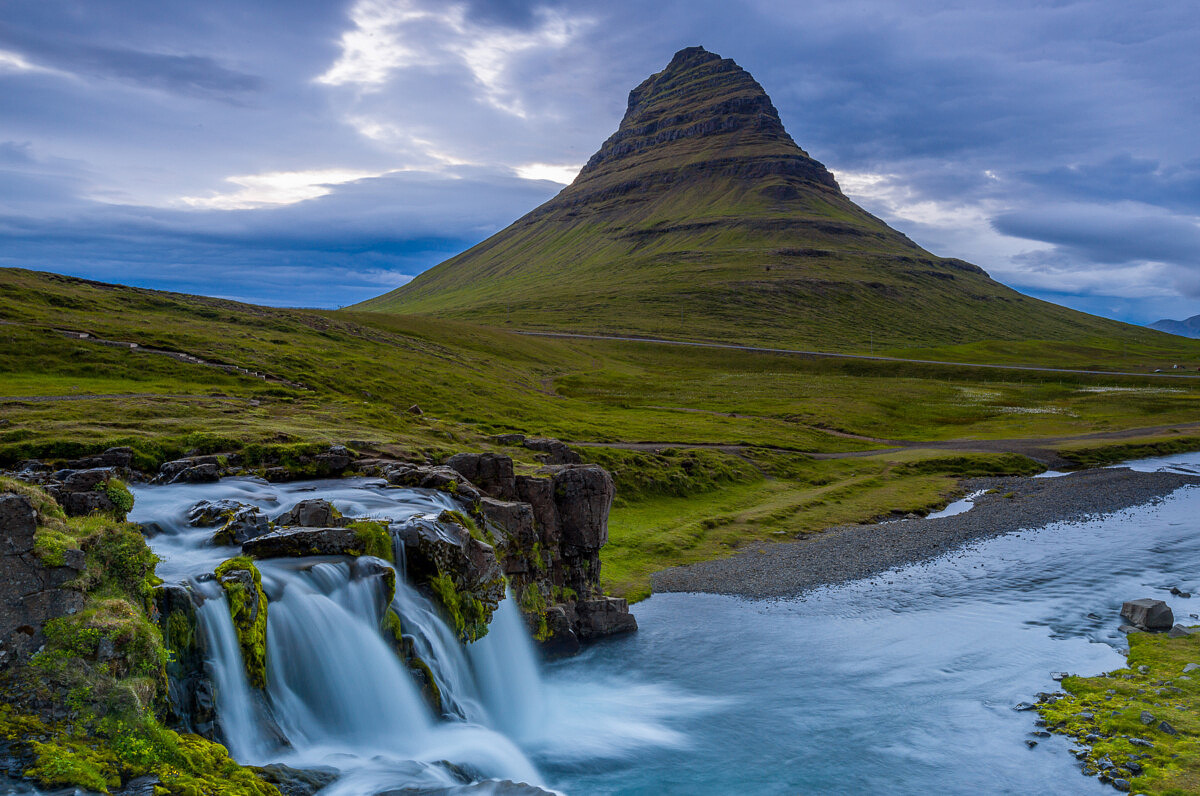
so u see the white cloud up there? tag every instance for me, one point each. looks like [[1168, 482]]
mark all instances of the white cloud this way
[[277, 188], [562, 174], [15, 62], [391, 35]]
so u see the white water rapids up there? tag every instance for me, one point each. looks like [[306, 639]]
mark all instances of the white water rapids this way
[[338, 696]]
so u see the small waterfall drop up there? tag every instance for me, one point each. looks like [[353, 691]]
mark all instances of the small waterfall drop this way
[[237, 712], [506, 668]]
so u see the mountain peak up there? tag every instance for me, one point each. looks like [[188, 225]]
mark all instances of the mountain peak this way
[[698, 95]]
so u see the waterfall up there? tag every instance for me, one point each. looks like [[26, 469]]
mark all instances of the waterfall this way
[[237, 713], [505, 665], [340, 695]]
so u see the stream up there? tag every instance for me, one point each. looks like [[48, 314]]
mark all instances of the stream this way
[[903, 683]]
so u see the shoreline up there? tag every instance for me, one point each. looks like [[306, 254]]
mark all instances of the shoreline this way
[[852, 552]]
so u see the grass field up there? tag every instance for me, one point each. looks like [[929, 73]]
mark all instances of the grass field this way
[[780, 444]]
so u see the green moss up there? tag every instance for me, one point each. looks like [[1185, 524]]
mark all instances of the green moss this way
[[533, 605], [248, 608], [50, 546], [1111, 707], [1101, 455], [110, 751], [469, 615], [465, 522], [119, 494], [374, 539]]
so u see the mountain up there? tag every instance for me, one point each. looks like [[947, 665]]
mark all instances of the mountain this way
[[701, 218], [1189, 327]]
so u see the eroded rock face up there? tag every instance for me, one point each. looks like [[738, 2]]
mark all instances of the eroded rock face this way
[[236, 522], [31, 593], [190, 695], [492, 473], [81, 492]]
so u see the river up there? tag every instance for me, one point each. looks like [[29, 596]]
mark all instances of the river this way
[[904, 683]]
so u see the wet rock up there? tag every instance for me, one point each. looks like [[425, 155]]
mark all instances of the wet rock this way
[[210, 513], [1121, 784], [553, 451], [190, 694], [246, 523], [1175, 590], [296, 781], [31, 593], [1058, 677], [192, 470], [314, 513], [433, 548], [1148, 614], [1024, 706], [1030, 743], [490, 472], [604, 616], [291, 542], [441, 477], [333, 461]]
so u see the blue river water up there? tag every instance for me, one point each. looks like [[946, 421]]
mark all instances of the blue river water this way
[[901, 684]]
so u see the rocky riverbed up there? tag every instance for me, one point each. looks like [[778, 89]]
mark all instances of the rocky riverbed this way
[[857, 551]]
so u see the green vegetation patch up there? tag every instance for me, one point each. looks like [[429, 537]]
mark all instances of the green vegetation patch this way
[[1101, 455], [675, 472], [468, 614], [374, 539], [248, 607], [975, 465], [1145, 718], [466, 523]]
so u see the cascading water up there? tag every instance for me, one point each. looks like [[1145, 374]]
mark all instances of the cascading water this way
[[337, 693]]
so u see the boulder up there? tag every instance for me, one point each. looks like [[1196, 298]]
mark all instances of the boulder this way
[[31, 593], [604, 616], [113, 457], [508, 439], [1148, 614], [296, 542], [313, 513], [296, 781], [441, 477], [553, 451], [192, 470], [210, 513], [335, 460], [245, 524], [490, 472], [81, 492]]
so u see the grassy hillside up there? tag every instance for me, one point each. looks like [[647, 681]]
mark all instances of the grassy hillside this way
[[700, 219], [711, 447]]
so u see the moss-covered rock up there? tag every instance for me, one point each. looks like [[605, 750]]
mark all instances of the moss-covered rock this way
[[248, 607]]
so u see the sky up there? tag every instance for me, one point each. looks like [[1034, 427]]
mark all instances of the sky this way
[[306, 153]]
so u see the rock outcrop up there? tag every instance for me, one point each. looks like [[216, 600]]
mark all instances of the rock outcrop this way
[[548, 530], [31, 591]]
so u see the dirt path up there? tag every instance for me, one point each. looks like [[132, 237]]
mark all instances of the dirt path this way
[[108, 396]]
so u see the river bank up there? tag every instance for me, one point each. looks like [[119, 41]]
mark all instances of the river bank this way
[[853, 552]]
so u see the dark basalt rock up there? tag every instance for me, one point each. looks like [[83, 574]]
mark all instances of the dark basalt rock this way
[[192, 470], [296, 781], [31, 593], [1148, 614], [492, 473], [314, 513], [191, 698], [554, 451], [296, 542], [113, 457], [81, 492]]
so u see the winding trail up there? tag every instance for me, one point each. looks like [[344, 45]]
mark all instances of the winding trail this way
[[1181, 374]]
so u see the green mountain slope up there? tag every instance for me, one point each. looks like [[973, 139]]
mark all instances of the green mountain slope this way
[[700, 218]]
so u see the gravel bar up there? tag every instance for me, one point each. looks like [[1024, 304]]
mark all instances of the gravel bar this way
[[783, 569]]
